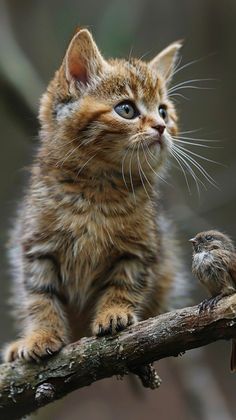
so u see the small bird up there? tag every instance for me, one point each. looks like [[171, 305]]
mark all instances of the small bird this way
[[214, 264]]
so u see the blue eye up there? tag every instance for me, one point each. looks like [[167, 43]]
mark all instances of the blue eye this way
[[163, 112], [209, 237], [127, 109]]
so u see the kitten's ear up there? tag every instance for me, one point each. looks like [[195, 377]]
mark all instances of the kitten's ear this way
[[163, 64], [83, 61]]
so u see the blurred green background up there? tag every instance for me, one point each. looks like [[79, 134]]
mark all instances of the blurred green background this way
[[33, 39]]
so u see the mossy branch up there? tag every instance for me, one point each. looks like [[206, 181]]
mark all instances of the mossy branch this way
[[25, 387]]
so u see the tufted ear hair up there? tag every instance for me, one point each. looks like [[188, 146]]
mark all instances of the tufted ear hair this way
[[164, 63], [83, 61]]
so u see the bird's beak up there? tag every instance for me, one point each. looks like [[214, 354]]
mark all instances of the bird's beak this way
[[193, 240]]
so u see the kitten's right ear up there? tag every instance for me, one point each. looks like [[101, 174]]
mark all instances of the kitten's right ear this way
[[163, 64], [83, 61]]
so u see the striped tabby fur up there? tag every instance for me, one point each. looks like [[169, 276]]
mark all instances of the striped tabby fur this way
[[91, 250]]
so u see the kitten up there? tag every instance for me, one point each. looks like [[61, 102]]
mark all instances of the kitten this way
[[90, 237]]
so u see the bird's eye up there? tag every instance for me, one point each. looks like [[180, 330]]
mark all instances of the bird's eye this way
[[209, 237], [127, 109], [163, 112]]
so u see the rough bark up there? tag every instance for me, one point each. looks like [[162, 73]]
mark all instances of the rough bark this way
[[25, 387]]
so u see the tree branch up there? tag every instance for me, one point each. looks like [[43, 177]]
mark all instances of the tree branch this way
[[24, 387]]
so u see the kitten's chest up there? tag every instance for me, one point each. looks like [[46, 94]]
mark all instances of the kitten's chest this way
[[86, 249], [91, 236]]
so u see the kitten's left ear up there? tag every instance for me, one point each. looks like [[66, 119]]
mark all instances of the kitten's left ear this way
[[163, 64]]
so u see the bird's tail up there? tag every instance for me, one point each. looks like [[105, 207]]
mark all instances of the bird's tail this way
[[233, 356]]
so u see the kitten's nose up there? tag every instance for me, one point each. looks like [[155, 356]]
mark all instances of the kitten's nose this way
[[160, 128]]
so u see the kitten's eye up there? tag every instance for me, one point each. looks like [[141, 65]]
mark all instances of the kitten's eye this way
[[127, 110], [209, 237], [163, 112]]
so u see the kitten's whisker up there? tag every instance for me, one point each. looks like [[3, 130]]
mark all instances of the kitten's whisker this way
[[184, 173], [140, 170], [60, 146], [154, 157], [144, 55], [190, 131], [130, 53], [178, 94], [192, 173], [137, 136], [122, 167], [200, 156], [192, 87], [187, 65], [145, 176], [80, 170], [199, 167], [196, 144], [196, 139], [70, 152], [130, 173], [174, 69], [173, 88], [180, 159], [66, 157]]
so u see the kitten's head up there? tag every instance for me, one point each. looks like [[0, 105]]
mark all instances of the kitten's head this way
[[118, 110]]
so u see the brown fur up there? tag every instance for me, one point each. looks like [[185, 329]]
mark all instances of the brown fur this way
[[90, 237]]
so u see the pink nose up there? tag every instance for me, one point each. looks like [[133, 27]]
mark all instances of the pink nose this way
[[160, 128]]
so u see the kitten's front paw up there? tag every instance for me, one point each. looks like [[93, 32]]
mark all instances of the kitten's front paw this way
[[113, 320], [33, 347]]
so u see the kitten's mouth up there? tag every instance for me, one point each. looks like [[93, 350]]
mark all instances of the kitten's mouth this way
[[157, 141]]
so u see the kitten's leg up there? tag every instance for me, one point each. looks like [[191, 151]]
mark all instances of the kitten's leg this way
[[40, 308], [122, 300]]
